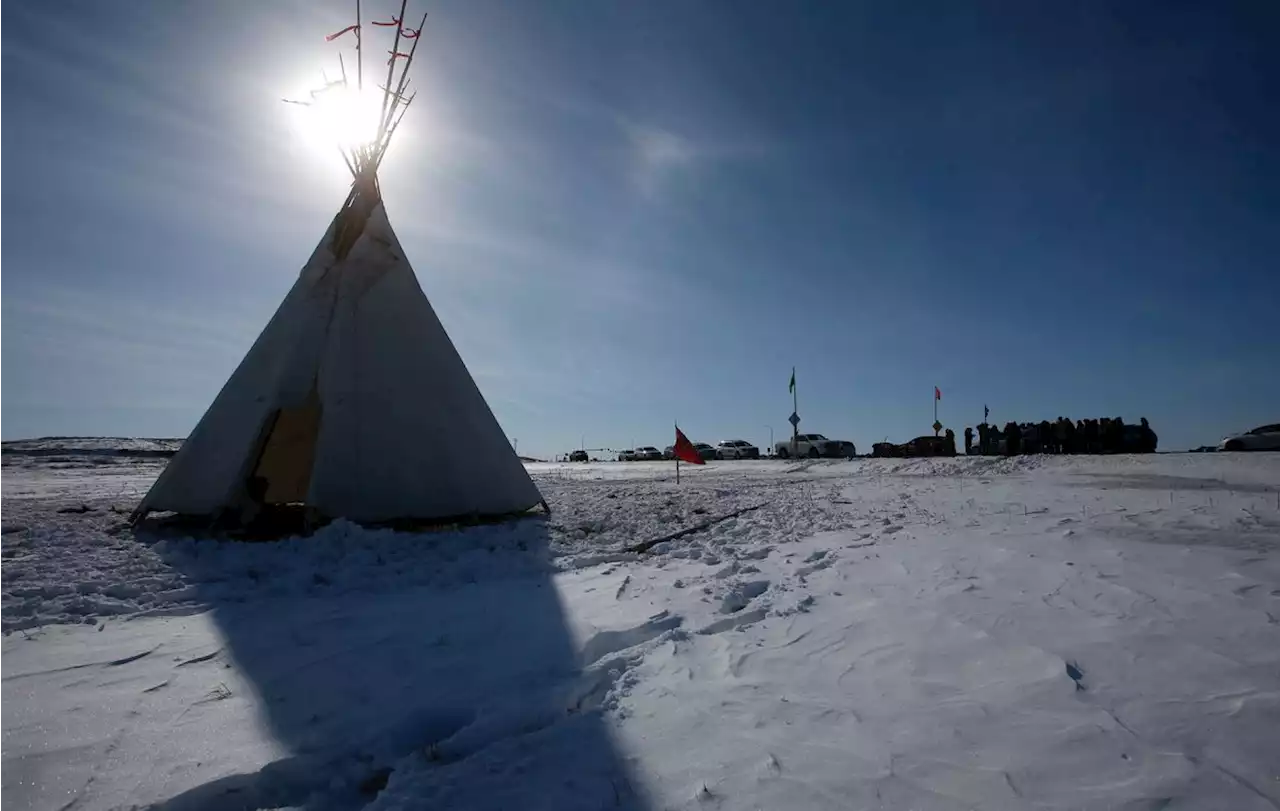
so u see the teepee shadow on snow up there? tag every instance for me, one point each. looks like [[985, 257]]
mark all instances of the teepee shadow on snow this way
[[464, 690], [429, 669]]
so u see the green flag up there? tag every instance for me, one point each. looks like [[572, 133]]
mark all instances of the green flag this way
[[792, 387]]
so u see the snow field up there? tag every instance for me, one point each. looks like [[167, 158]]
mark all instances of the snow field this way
[[930, 634]]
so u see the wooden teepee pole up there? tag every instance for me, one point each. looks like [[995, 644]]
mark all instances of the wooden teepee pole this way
[[391, 72], [400, 87], [350, 160], [392, 131], [359, 51]]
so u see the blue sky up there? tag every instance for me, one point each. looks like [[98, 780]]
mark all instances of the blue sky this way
[[628, 213]]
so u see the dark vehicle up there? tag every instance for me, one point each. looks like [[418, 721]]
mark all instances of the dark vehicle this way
[[706, 452], [920, 446], [1264, 438], [578, 456], [929, 446]]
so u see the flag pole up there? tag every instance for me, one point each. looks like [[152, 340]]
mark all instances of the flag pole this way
[[677, 424], [795, 409]]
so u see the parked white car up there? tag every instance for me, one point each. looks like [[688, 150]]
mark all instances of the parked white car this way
[[648, 453], [1264, 438], [811, 446], [737, 449]]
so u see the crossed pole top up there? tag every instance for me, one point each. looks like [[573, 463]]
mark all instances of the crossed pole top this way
[[363, 159]]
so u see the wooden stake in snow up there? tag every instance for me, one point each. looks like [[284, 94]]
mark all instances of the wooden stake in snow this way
[[645, 546]]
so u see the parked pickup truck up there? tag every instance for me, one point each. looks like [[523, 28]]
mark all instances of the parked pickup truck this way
[[814, 446]]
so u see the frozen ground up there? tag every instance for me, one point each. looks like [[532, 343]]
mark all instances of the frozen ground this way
[[925, 634]]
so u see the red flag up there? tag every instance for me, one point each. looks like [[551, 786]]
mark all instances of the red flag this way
[[684, 450], [937, 393], [394, 21]]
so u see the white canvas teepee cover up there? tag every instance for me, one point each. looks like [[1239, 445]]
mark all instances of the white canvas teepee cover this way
[[353, 401]]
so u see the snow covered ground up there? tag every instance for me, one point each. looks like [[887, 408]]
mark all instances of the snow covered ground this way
[[1037, 632]]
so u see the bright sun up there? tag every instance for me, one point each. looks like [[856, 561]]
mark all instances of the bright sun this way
[[336, 117]]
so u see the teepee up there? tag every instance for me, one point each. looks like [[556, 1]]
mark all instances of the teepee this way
[[353, 402]]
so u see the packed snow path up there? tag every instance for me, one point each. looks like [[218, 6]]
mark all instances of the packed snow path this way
[[929, 634]]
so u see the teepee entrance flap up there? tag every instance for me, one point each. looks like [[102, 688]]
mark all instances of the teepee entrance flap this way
[[288, 452]]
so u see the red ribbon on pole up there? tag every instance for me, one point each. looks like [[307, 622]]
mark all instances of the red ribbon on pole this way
[[395, 55], [410, 33], [394, 21], [334, 36]]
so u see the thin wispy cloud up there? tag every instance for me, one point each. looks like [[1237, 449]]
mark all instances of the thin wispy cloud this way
[[658, 153], [661, 154], [65, 310]]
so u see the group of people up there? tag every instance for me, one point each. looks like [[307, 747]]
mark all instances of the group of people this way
[[1104, 435]]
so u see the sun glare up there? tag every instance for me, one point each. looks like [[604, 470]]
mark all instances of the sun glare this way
[[336, 117]]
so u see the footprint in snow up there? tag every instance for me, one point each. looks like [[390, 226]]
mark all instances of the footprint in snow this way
[[1076, 674], [734, 622], [604, 643], [771, 767], [742, 594]]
